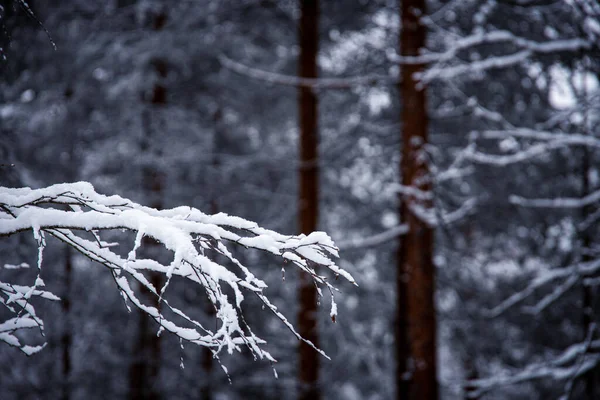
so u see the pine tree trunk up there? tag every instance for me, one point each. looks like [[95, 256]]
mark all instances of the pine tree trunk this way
[[145, 367], [206, 392], [401, 322], [308, 202], [415, 256], [67, 336]]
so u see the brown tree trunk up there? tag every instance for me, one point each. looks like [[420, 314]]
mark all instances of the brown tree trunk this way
[[308, 202], [206, 392], [401, 322], [145, 367], [416, 309], [67, 336], [144, 370]]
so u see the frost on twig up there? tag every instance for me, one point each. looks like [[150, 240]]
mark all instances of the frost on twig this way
[[70, 212], [15, 299]]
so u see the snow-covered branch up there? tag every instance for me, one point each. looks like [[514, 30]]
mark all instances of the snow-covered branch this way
[[524, 49], [374, 240], [571, 363], [436, 217], [502, 160], [542, 142], [559, 202], [571, 139], [190, 235], [15, 298], [582, 270], [315, 83]]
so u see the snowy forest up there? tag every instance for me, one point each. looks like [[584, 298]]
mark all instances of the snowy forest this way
[[300, 199]]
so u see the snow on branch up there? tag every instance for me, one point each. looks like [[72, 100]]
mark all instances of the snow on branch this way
[[502, 160], [567, 275], [315, 83], [541, 143], [434, 216], [559, 202], [570, 139], [570, 364], [525, 48], [15, 298], [374, 240], [493, 62], [75, 214]]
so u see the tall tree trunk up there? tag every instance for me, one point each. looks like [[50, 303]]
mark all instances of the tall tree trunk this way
[[145, 368], [401, 322], [308, 202], [206, 393], [416, 309], [67, 336]]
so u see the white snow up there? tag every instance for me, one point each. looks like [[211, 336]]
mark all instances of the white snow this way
[[184, 231]]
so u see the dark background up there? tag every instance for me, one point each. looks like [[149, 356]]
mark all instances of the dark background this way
[[114, 91]]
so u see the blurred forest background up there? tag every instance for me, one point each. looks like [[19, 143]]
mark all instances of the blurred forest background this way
[[247, 106]]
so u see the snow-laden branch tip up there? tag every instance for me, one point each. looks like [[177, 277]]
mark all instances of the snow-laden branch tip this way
[[68, 211], [314, 83], [15, 298]]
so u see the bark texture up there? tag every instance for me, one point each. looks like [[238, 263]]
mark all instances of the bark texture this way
[[308, 202], [67, 335], [416, 323]]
